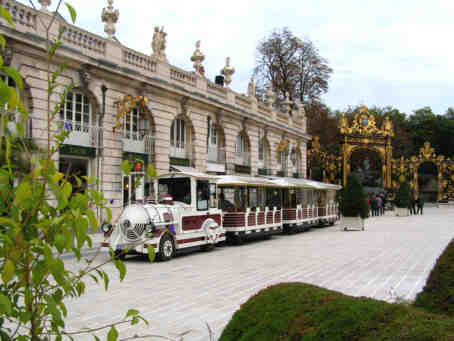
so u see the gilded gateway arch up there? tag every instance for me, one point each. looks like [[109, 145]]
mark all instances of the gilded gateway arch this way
[[364, 134]]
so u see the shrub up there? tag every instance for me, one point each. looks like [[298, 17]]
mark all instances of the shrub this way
[[353, 202], [403, 195], [298, 311], [437, 295]]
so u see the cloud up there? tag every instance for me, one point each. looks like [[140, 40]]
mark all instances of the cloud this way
[[383, 52]]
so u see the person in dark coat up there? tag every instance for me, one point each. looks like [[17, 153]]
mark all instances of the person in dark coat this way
[[374, 206], [412, 203], [420, 203]]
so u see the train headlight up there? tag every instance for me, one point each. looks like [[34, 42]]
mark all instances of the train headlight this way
[[126, 223], [106, 227]]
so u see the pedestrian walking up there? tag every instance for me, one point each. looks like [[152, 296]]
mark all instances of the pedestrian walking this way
[[383, 206], [373, 204], [379, 205], [411, 204], [420, 203]]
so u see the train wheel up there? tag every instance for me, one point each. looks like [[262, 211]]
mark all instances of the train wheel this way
[[207, 247], [238, 240], [120, 254], [166, 248]]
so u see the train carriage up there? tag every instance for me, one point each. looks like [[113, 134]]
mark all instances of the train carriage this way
[[251, 207], [306, 203]]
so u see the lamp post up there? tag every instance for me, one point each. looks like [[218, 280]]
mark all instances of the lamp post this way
[[100, 154]]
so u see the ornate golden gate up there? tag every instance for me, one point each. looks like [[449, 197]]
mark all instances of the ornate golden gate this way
[[363, 133]]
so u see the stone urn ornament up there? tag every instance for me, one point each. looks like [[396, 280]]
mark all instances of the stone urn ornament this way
[[110, 16], [45, 4], [198, 57], [227, 71]]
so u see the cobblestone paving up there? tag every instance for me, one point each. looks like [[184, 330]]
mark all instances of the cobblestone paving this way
[[392, 257]]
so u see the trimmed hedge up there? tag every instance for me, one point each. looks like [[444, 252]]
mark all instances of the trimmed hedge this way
[[403, 195], [353, 202], [298, 312], [437, 295]]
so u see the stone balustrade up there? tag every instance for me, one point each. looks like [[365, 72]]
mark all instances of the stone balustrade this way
[[139, 60], [216, 90], [81, 39], [243, 101], [182, 76], [20, 14]]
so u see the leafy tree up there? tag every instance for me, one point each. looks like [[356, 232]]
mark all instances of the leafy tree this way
[[402, 199], [322, 122], [353, 202], [421, 126], [450, 113], [40, 219], [291, 65]]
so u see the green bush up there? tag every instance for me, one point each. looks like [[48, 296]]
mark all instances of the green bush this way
[[298, 312], [437, 295], [403, 195], [353, 202]]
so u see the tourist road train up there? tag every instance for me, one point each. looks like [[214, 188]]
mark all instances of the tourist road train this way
[[191, 209]]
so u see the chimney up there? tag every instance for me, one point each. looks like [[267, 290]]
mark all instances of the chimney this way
[[219, 80]]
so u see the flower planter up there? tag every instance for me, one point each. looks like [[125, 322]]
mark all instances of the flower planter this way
[[402, 212], [352, 223]]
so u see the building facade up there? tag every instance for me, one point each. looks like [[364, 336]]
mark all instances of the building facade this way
[[126, 105]]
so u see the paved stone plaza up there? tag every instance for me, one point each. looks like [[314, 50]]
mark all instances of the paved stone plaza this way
[[392, 257]]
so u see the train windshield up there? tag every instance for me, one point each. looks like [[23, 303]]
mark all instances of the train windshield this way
[[203, 194], [178, 188]]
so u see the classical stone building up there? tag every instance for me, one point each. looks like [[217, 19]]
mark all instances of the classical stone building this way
[[128, 105]]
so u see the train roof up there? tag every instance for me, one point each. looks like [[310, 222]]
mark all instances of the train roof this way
[[302, 183], [179, 171], [240, 180], [273, 181], [237, 180]]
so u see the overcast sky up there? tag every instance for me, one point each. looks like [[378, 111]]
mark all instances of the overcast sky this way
[[387, 52]]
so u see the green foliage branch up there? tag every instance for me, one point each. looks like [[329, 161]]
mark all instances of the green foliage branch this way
[[41, 219]]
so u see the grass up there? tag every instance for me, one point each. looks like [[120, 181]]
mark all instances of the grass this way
[[298, 312]]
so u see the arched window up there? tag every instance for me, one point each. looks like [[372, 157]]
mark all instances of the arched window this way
[[242, 150], [264, 156], [213, 136], [282, 160], [241, 144], [135, 126], [76, 113], [214, 144], [294, 161], [178, 134], [262, 153], [14, 115], [8, 80]]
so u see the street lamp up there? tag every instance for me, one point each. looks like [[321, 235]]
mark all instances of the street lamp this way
[[143, 127]]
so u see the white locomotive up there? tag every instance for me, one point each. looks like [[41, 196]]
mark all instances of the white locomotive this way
[[185, 216]]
